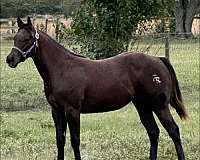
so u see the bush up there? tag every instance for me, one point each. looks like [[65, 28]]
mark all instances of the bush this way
[[104, 28]]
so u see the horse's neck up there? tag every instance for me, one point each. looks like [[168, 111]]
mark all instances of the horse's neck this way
[[50, 58]]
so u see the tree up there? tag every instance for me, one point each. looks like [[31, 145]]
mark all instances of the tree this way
[[184, 12], [22, 8], [104, 28]]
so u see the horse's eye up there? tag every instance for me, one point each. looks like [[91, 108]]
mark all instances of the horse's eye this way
[[26, 40]]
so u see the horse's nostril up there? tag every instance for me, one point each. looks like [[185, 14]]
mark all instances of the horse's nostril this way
[[9, 59]]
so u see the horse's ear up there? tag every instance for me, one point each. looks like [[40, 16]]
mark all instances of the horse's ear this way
[[19, 22], [29, 21]]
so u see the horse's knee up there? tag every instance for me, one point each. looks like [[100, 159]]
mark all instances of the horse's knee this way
[[61, 141], [154, 134]]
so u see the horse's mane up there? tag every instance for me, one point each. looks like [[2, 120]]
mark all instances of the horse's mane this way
[[62, 47], [75, 54]]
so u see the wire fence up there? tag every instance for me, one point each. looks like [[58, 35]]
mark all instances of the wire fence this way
[[52, 24], [49, 24]]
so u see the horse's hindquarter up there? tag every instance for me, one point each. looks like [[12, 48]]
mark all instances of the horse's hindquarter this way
[[153, 80]]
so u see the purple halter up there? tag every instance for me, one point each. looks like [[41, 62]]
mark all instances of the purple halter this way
[[35, 44]]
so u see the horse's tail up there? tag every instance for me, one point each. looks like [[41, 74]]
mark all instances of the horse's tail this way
[[176, 100]]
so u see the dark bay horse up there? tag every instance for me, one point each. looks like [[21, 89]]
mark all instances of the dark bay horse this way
[[74, 84]]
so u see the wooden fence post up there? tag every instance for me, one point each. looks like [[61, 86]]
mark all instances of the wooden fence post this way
[[167, 46], [57, 28], [46, 23], [34, 20], [12, 25]]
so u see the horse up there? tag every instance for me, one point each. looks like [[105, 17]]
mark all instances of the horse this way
[[76, 85]]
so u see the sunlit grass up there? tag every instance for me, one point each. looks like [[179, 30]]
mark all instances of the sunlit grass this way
[[30, 134]]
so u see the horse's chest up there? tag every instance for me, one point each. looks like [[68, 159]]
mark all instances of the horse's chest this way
[[47, 90], [49, 96], [61, 96]]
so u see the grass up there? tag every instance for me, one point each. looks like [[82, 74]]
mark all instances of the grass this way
[[27, 130]]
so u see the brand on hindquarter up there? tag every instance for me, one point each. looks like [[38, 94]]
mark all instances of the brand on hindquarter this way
[[156, 79]]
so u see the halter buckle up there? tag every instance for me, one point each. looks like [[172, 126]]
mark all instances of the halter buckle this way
[[37, 36]]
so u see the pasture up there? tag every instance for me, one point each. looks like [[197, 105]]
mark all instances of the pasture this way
[[27, 129]]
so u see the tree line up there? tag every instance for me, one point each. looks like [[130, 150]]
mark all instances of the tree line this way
[[22, 8]]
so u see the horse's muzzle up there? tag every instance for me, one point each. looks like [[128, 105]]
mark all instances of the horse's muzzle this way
[[10, 60]]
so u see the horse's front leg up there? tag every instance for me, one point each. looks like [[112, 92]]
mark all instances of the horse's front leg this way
[[60, 122], [73, 119]]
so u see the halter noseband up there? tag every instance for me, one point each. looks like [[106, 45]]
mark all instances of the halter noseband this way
[[35, 44]]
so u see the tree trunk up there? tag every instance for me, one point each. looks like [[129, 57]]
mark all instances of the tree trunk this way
[[189, 17], [188, 25], [185, 11], [179, 12], [179, 21]]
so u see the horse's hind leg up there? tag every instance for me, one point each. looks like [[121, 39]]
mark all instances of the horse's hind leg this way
[[169, 124], [152, 129]]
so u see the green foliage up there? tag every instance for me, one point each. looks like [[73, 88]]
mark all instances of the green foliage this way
[[168, 7], [22, 8], [172, 25], [104, 28]]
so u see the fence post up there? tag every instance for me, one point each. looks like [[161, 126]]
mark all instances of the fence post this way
[[34, 20], [167, 46], [12, 25], [46, 23], [57, 28]]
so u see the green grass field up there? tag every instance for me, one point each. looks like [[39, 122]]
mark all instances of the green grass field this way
[[27, 130]]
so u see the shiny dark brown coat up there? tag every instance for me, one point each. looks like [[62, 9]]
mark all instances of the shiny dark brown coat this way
[[74, 84]]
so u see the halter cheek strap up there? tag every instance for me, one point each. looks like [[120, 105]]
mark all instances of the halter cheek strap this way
[[26, 52], [35, 45]]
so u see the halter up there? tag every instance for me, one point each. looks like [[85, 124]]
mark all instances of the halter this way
[[35, 44]]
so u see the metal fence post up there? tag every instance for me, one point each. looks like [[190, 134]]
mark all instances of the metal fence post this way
[[167, 46]]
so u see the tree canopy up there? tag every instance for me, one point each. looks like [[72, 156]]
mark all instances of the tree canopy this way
[[104, 27], [22, 8]]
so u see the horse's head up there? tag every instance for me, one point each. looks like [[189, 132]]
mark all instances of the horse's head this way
[[25, 43]]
